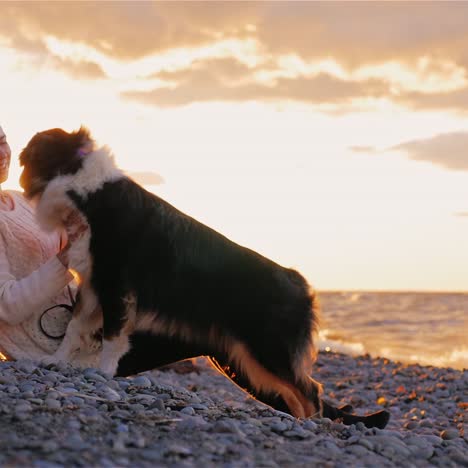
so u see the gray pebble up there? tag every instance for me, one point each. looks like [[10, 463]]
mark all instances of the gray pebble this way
[[225, 425], [23, 406], [76, 401], [27, 388], [95, 377], [178, 449], [123, 384], [136, 407], [297, 433], [411, 425], [213, 423], [67, 390], [449, 434], [37, 401], [365, 442], [279, 426], [459, 457], [199, 406], [360, 426], [52, 403], [110, 394], [121, 428], [421, 452], [141, 381], [50, 446], [357, 450], [158, 405], [432, 439], [188, 410]]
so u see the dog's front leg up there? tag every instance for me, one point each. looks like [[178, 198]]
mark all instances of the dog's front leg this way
[[69, 345], [118, 324], [112, 350], [86, 304]]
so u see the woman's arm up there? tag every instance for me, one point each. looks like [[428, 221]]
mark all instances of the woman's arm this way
[[21, 297]]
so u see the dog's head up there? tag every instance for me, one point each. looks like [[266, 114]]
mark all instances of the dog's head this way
[[50, 154]]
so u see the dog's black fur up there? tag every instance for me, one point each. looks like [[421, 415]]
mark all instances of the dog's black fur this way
[[201, 289]]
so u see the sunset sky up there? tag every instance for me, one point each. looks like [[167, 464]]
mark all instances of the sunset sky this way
[[330, 137]]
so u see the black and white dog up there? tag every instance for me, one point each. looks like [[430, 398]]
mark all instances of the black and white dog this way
[[147, 267]]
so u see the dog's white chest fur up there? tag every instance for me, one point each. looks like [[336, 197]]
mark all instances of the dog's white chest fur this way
[[55, 205]]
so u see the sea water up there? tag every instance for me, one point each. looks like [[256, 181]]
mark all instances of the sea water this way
[[424, 328]]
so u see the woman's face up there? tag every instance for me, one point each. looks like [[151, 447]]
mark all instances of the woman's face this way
[[5, 156]]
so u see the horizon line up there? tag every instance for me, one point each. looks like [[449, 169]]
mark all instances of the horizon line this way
[[408, 291]]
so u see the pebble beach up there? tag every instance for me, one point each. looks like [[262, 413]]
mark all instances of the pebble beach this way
[[190, 415]]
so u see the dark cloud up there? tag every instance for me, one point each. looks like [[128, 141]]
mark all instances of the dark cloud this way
[[449, 150], [146, 178]]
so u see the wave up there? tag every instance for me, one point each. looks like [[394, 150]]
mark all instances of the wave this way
[[457, 358], [331, 342]]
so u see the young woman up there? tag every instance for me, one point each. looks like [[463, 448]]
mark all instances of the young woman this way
[[36, 290]]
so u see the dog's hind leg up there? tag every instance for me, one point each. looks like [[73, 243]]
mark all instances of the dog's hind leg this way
[[300, 403], [272, 397], [308, 391]]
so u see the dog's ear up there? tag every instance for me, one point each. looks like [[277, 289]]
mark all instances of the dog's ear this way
[[82, 135], [53, 208], [83, 141]]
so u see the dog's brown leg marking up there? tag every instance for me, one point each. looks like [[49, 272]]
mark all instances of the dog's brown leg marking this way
[[264, 380], [311, 391]]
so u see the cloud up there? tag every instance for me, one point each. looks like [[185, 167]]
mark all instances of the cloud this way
[[219, 69], [456, 100], [146, 178], [449, 150], [127, 30], [462, 214], [33, 44], [353, 33], [366, 32], [81, 70], [364, 149], [230, 80]]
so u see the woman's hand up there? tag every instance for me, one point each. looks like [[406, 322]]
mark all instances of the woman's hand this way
[[75, 226]]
